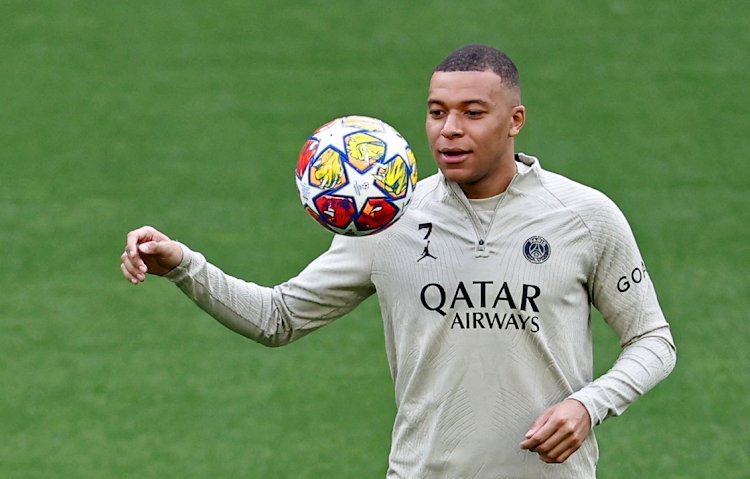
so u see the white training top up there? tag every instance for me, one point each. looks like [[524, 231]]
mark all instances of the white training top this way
[[485, 326]]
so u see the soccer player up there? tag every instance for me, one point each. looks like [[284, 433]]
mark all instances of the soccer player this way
[[485, 286]]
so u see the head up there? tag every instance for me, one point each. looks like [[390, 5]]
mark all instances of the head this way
[[481, 58], [474, 113]]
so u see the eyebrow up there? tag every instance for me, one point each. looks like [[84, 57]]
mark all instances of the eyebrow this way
[[431, 101]]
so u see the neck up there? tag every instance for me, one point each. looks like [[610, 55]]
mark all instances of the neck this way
[[492, 185]]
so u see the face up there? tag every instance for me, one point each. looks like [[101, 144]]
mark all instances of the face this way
[[471, 122]]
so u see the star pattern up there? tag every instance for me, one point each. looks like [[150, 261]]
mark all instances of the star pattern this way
[[360, 186]]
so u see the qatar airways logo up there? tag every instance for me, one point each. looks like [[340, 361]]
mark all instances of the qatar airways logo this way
[[484, 305]]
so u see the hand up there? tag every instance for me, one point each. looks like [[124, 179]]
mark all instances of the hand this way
[[148, 251], [559, 431]]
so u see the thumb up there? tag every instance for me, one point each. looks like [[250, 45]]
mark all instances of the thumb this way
[[150, 247], [157, 248], [160, 256]]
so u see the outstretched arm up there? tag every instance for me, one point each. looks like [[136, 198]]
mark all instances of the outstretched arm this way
[[331, 286]]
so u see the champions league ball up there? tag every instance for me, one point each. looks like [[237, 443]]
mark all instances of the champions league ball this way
[[356, 175]]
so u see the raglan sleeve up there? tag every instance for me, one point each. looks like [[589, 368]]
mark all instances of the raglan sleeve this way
[[622, 290], [328, 288]]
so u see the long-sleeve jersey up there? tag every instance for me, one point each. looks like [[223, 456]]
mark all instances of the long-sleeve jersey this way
[[486, 324]]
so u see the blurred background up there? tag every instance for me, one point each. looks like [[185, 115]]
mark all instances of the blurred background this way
[[189, 116]]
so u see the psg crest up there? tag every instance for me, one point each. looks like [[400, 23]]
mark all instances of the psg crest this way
[[536, 249]]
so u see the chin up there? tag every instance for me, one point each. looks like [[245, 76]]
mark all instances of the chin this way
[[457, 174]]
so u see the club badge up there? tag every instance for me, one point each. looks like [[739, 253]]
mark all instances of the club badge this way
[[536, 249]]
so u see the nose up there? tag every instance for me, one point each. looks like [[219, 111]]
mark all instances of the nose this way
[[451, 126]]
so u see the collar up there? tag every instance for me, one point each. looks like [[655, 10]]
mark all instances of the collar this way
[[520, 179]]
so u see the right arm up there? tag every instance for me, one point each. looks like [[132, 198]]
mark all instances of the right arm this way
[[331, 286]]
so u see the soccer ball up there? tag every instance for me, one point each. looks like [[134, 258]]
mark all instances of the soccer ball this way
[[356, 175]]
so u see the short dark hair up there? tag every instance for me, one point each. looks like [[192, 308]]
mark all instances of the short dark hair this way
[[480, 58]]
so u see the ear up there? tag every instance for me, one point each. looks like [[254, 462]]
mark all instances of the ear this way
[[517, 118]]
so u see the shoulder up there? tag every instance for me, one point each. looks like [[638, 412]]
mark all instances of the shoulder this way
[[591, 210], [429, 188], [432, 198], [430, 195], [589, 204]]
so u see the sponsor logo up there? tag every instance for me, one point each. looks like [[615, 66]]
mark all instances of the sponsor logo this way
[[461, 305], [504, 321], [434, 296], [634, 278], [536, 249]]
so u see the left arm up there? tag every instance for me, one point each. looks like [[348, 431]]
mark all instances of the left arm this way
[[622, 291]]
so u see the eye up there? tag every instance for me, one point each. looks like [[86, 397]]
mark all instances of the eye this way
[[435, 113], [474, 113]]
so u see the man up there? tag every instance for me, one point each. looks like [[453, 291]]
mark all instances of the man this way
[[488, 335]]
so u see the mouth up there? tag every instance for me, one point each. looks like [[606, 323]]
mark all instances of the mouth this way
[[453, 155]]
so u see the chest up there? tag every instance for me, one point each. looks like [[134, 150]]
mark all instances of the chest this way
[[523, 257]]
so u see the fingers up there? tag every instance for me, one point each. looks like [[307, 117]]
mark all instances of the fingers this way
[[539, 432], [131, 258], [142, 235], [554, 445], [132, 264], [133, 267], [565, 448], [558, 432]]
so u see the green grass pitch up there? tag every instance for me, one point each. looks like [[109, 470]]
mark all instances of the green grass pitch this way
[[189, 116]]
